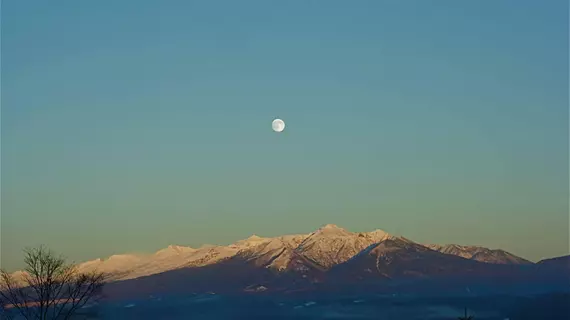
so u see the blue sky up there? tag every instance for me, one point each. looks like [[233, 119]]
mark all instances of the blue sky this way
[[132, 125]]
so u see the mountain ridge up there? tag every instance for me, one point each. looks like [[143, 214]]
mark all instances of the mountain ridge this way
[[321, 250]]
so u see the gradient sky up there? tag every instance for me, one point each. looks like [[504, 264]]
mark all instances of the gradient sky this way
[[131, 125]]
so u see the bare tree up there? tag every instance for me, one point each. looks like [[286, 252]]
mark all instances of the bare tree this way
[[48, 289]]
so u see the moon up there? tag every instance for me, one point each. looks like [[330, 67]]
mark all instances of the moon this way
[[278, 125]]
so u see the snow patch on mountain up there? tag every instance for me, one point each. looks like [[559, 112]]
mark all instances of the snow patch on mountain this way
[[479, 253]]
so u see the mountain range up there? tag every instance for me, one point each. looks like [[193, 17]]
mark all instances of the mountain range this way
[[321, 250], [328, 256]]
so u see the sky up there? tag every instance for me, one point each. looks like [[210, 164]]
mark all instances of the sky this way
[[127, 126]]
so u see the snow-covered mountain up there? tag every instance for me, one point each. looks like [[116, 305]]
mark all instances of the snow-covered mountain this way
[[300, 264], [400, 258], [129, 266], [331, 245], [479, 254], [303, 254], [278, 254], [321, 249], [402, 262]]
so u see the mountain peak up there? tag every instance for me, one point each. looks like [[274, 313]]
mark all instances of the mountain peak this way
[[377, 235], [377, 232], [478, 253], [331, 229], [174, 249], [251, 241]]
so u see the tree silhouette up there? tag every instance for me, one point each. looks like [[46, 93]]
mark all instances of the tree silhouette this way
[[49, 288]]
